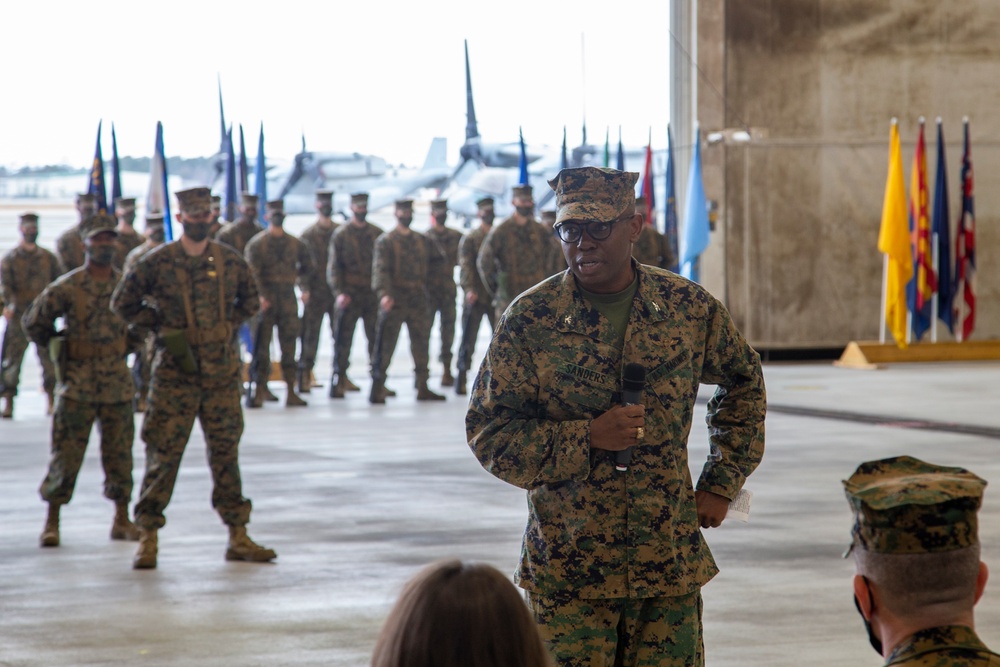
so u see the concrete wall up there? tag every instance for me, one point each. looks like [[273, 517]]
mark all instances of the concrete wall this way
[[817, 81]]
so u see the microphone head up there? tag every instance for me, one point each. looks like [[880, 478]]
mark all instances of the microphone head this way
[[634, 377]]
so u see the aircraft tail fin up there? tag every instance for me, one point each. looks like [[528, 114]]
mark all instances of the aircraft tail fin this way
[[437, 154]]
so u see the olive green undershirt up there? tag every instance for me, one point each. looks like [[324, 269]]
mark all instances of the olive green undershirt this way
[[616, 307]]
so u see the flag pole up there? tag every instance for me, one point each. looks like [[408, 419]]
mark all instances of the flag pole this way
[[885, 290], [934, 297]]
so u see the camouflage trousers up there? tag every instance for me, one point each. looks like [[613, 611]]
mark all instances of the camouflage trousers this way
[[472, 317], [412, 312], [363, 307], [142, 366], [621, 632], [444, 303], [72, 422], [312, 321], [173, 406], [284, 314], [15, 344]]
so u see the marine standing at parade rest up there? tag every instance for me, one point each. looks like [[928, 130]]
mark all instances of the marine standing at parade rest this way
[[613, 559], [277, 261], [917, 551], [555, 262], [24, 273], [652, 248], [514, 254], [441, 289], [128, 238], [69, 245], [94, 383], [317, 299], [142, 365], [193, 293], [400, 281], [349, 274], [476, 301]]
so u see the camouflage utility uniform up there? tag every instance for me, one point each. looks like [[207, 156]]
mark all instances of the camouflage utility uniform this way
[[652, 248], [949, 646], [349, 271], [142, 369], [400, 271], [441, 289], [316, 237], [95, 385], [472, 314], [23, 275], [600, 540], [237, 234], [513, 258], [126, 243], [70, 250], [202, 300], [277, 262]]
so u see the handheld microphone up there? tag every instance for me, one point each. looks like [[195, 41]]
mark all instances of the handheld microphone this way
[[633, 384]]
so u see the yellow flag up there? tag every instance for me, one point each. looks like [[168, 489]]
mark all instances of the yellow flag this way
[[894, 241]]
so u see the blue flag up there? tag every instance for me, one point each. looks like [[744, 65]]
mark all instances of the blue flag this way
[[242, 183], [522, 164], [157, 196], [96, 186], [670, 209], [116, 176], [260, 175], [941, 229], [621, 153], [229, 195], [695, 217]]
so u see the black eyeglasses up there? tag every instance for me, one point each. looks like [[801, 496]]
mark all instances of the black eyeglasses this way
[[572, 232]]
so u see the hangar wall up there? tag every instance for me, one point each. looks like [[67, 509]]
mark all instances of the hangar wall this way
[[794, 252]]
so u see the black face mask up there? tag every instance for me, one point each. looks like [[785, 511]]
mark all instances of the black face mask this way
[[525, 211], [196, 231], [326, 210], [872, 639], [31, 238], [157, 236], [405, 221], [101, 255]]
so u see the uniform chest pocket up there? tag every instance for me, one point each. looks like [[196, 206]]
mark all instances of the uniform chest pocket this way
[[574, 392]]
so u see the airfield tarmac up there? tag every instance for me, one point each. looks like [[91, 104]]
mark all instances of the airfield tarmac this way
[[356, 498]]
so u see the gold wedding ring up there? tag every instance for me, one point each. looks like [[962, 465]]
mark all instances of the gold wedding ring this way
[[639, 433]]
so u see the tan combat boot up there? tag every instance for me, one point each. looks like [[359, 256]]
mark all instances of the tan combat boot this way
[[447, 379], [425, 394], [460, 383], [266, 393], [256, 397], [241, 547], [337, 388], [350, 386], [292, 399], [50, 534], [122, 528], [145, 555], [8, 407], [377, 394]]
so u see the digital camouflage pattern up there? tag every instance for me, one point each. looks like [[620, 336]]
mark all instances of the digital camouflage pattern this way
[[441, 289], [237, 234], [142, 369], [96, 383], [24, 274], [471, 282], [512, 259], [949, 646], [400, 271], [70, 249], [124, 244], [349, 271], [652, 248], [551, 368], [221, 294], [655, 632], [593, 193], [277, 263], [903, 505], [316, 238]]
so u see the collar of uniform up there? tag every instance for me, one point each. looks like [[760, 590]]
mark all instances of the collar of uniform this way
[[573, 314], [950, 636]]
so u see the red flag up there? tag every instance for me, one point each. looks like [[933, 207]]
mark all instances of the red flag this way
[[965, 249]]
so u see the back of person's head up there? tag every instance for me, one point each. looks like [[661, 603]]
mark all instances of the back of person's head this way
[[454, 614]]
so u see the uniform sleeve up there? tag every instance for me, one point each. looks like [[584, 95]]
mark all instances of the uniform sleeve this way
[[486, 264], [381, 260], [306, 267], [38, 321], [6, 281], [736, 411], [246, 302], [505, 424], [466, 264], [333, 273], [129, 298]]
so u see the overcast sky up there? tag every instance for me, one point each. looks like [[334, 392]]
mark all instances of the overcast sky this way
[[353, 75]]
